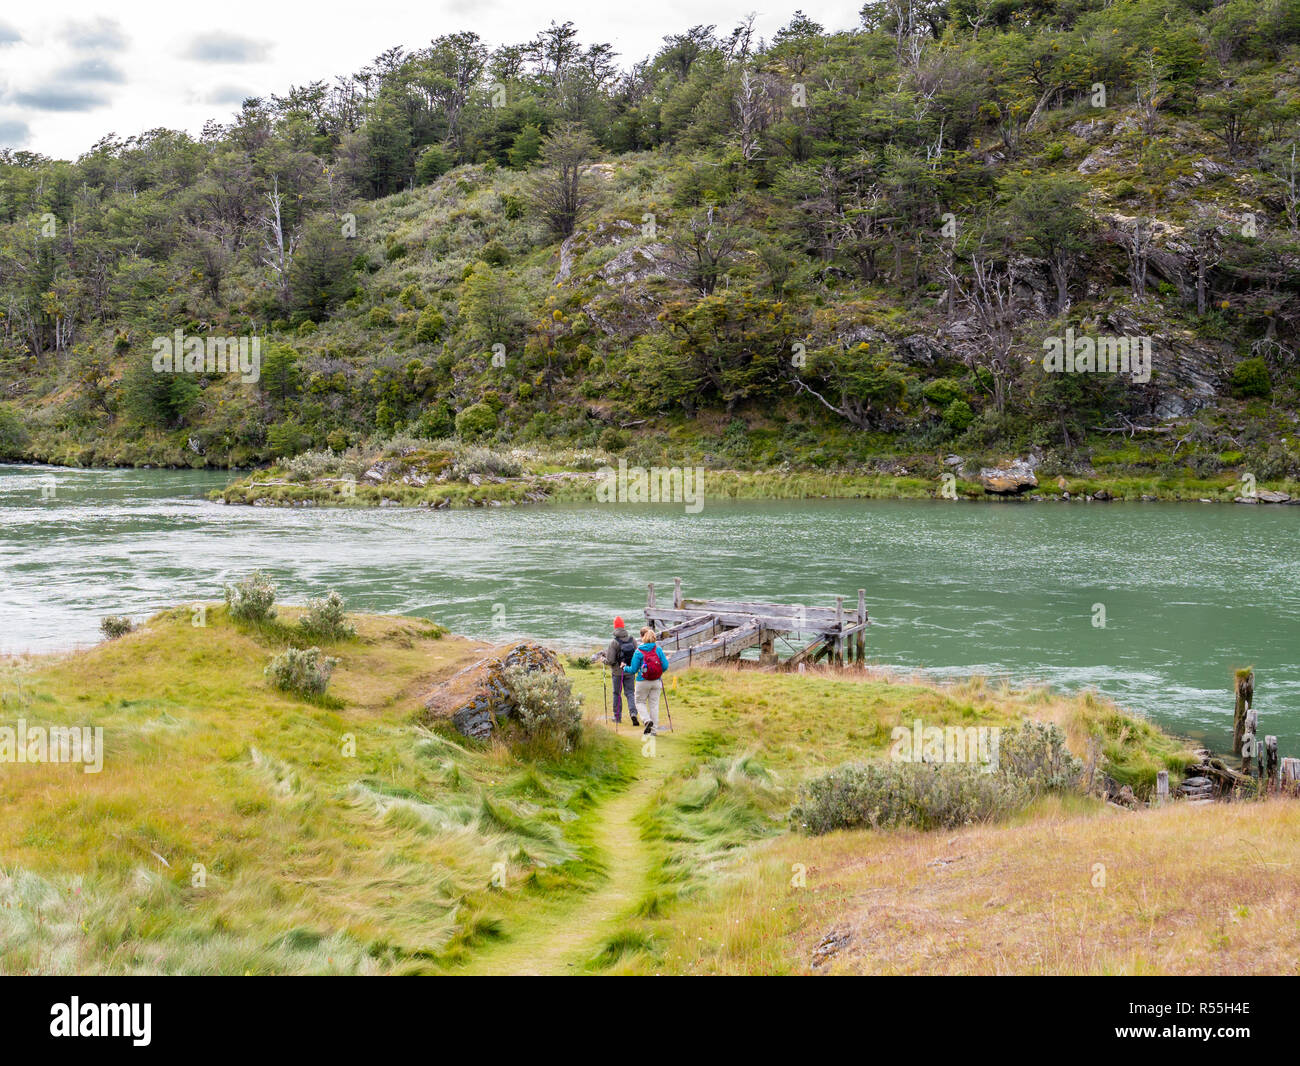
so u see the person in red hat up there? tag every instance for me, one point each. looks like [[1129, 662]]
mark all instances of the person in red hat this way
[[618, 655]]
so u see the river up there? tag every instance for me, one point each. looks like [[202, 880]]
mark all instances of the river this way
[[1188, 591]]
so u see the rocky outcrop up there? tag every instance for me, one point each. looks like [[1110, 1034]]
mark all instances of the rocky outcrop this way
[[1009, 480], [476, 698]]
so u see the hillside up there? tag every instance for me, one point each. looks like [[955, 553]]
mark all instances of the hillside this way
[[838, 251]]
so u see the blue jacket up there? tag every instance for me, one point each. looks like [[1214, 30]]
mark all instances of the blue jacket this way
[[638, 659]]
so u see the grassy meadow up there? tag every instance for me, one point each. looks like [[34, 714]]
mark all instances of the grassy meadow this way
[[237, 829]]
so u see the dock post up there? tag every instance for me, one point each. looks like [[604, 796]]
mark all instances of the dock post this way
[[1270, 762], [839, 625], [1245, 692], [862, 633], [677, 593], [1162, 788], [650, 596], [767, 648], [1290, 782]]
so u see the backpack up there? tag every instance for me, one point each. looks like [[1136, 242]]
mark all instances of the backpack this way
[[626, 649], [652, 664]]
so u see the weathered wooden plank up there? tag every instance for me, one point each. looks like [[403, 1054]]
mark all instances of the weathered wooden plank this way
[[787, 610], [689, 633], [723, 646], [664, 617]]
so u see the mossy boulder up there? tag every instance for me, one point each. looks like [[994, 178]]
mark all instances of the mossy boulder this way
[[478, 697]]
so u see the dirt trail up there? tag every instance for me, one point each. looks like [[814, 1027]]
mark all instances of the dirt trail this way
[[559, 938]]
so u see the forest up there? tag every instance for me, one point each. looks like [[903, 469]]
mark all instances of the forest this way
[[823, 249]]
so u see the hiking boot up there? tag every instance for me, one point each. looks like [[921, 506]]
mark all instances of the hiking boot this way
[[649, 729], [634, 721]]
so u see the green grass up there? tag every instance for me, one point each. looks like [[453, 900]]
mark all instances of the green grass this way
[[227, 832]]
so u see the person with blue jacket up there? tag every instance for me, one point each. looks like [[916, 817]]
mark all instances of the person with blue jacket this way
[[648, 665]]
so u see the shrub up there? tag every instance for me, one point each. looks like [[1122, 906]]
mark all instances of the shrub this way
[[252, 599], [476, 422], [326, 619], [546, 706], [115, 626], [917, 795], [958, 415], [1035, 755], [304, 673], [942, 391], [1032, 759], [430, 325], [1250, 378], [485, 463], [311, 465]]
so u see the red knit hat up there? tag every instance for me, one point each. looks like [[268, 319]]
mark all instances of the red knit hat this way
[[618, 622]]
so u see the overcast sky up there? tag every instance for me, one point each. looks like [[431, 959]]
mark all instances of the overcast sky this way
[[72, 71]]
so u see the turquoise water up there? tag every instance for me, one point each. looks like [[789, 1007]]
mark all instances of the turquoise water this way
[[1190, 591]]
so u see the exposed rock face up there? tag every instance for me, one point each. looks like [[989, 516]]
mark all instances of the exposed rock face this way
[[1010, 480], [477, 697], [1269, 496]]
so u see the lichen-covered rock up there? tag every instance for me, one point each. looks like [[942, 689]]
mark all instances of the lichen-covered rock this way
[[1010, 480], [476, 698]]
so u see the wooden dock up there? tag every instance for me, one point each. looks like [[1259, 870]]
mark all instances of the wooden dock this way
[[694, 632]]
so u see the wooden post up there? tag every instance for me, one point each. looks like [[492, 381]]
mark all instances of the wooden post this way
[[1270, 762], [861, 649], [650, 596], [1290, 776], [839, 626], [1162, 788], [1248, 745], [677, 593], [767, 648], [1245, 690]]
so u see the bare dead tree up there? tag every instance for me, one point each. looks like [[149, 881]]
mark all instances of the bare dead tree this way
[[280, 247], [753, 109], [1137, 243], [989, 296]]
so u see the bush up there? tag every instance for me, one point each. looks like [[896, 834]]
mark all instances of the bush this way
[[1250, 378], [430, 325], [896, 795], [942, 391], [304, 673], [958, 415], [326, 619], [485, 463], [115, 626], [476, 422], [1031, 759], [546, 706], [252, 599], [1035, 754], [311, 465]]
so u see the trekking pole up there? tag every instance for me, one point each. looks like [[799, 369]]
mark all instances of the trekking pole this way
[[604, 693], [664, 693]]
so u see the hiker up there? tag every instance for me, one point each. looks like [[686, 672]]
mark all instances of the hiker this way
[[619, 655], [648, 665]]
